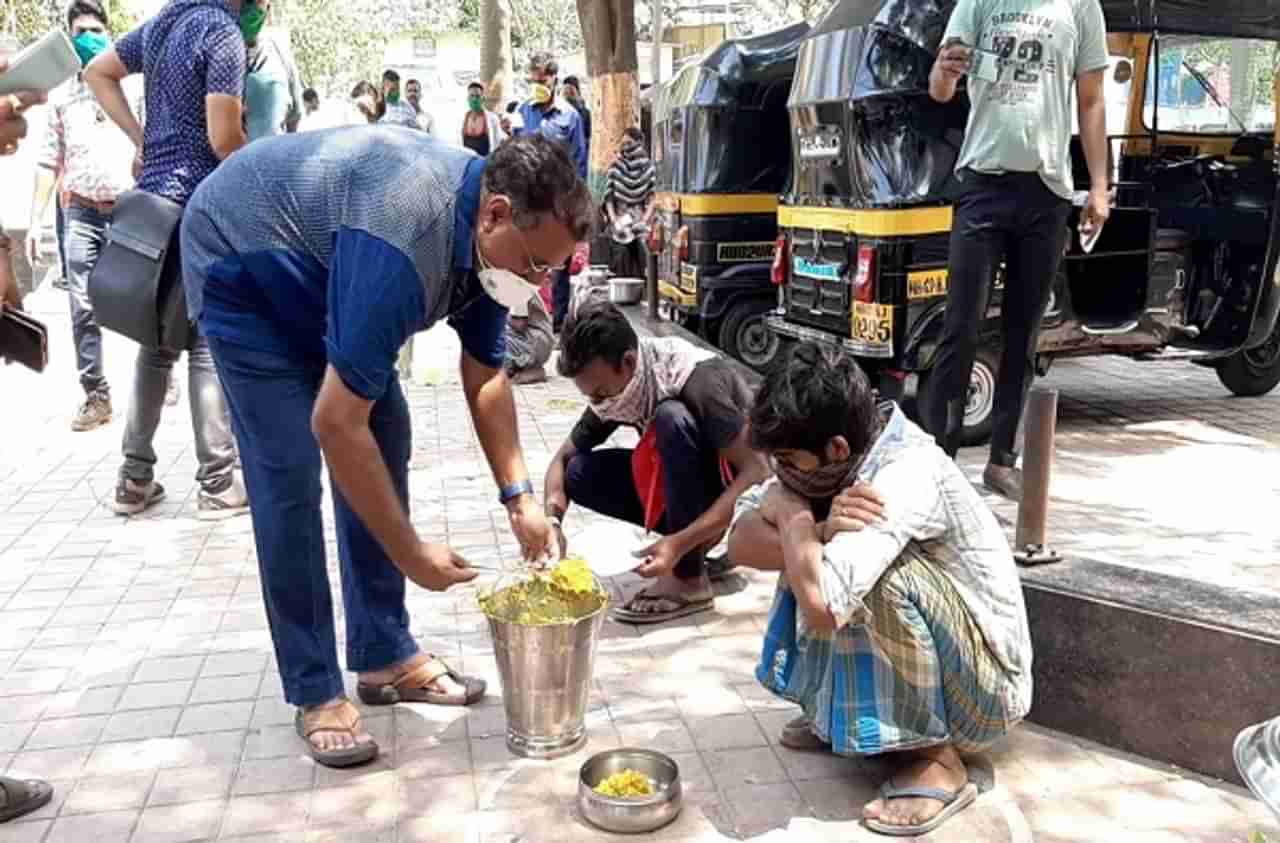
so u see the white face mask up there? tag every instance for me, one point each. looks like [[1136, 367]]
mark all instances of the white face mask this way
[[504, 286]]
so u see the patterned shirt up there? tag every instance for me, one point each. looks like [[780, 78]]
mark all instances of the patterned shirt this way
[[192, 49], [401, 114], [933, 513], [94, 157]]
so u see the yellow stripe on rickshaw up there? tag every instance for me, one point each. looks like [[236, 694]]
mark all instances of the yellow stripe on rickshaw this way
[[886, 222], [720, 204]]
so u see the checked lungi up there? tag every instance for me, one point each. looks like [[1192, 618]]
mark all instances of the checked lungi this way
[[918, 674]]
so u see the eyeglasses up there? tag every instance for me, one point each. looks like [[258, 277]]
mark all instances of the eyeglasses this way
[[535, 268]]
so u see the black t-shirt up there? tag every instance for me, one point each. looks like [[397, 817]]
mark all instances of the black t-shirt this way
[[714, 393]]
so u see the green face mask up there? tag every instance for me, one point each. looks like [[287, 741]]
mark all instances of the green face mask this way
[[252, 19], [475, 102], [393, 98], [89, 44]]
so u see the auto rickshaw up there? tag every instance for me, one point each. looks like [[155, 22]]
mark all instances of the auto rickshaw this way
[[1185, 268], [721, 147]]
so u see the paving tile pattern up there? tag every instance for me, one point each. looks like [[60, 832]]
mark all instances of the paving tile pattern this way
[[138, 674]]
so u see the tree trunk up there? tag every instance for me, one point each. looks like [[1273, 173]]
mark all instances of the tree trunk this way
[[609, 36], [495, 51]]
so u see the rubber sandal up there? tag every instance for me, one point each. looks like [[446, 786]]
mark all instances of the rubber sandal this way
[[798, 735], [684, 608], [952, 802], [720, 568], [22, 796], [415, 686], [338, 718]]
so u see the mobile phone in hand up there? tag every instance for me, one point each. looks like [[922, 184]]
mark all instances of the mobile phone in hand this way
[[42, 66]]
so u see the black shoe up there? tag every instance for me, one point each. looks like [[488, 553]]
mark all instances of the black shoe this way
[[94, 412]]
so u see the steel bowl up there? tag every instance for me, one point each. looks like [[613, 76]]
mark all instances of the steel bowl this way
[[626, 290], [630, 816], [1257, 754]]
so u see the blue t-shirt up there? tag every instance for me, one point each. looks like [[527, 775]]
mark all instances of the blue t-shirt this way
[[336, 246], [559, 122], [191, 49]]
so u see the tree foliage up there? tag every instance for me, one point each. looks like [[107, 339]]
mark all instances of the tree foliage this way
[[33, 18], [338, 44], [759, 16]]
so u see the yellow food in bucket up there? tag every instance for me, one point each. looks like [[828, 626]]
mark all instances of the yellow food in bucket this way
[[566, 593], [627, 784]]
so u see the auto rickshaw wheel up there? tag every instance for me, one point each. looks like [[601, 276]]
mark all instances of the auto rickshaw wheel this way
[[1255, 371], [745, 336], [980, 400]]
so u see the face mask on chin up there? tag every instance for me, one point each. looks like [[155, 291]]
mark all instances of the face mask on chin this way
[[502, 285]]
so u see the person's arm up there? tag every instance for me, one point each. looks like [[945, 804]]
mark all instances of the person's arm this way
[[482, 328], [10, 292], [224, 91], [754, 540], [1091, 70], [960, 39], [579, 144], [589, 432], [48, 171], [104, 76]]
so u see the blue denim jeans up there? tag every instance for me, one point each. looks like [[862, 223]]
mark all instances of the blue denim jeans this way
[[271, 397], [86, 234], [602, 481]]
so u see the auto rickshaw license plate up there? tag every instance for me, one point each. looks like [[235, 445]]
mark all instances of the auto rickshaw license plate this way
[[926, 284], [688, 277], [872, 323]]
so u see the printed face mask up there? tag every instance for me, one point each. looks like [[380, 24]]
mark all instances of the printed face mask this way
[[502, 285]]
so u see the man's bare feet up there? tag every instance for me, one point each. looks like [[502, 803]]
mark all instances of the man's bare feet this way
[[328, 740], [938, 767], [387, 676]]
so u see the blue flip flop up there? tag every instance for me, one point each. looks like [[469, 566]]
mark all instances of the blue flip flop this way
[[952, 804]]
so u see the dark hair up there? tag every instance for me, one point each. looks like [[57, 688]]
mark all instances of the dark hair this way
[[635, 134], [545, 63], [390, 76], [363, 89], [572, 80], [598, 330], [475, 86], [512, 106], [815, 393], [311, 94], [538, 175], [413, 82], [92, 8]]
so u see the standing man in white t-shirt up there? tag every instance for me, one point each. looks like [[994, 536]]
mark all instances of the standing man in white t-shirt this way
[[1024, 60]]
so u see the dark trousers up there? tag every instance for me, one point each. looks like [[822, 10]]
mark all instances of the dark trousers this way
[[561, 292], [272, 397], [602, 481], [85, 235], [1016, 218]]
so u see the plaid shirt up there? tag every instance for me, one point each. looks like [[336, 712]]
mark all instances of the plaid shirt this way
[[93, 155], [934, 514]]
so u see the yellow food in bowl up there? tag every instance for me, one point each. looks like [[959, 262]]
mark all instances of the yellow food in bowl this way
[[566, 593], [627, 784]]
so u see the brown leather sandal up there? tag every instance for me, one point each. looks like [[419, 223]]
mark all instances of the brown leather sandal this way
[[339, 718], [415, 686]]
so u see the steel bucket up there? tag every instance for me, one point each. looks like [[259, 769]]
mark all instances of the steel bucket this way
[[1257, 754], [546, 681]]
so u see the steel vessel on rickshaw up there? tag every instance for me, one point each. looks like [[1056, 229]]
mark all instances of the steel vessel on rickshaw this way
[[721, 146], [1185, 268]]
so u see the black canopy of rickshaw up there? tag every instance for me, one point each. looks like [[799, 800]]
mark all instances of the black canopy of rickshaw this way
[[1225, 18], [720, 124]]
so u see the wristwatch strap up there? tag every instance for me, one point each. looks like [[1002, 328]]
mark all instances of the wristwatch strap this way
[[515, 490]]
